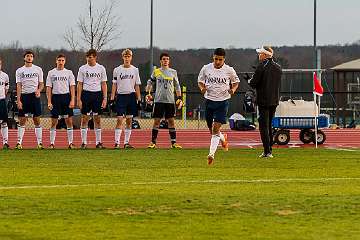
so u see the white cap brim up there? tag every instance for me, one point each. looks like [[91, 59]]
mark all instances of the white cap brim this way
[[263, 50]]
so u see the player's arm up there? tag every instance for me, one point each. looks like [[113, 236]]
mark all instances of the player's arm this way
[[104, 92], [113, 91], [48, 95], [18, 94], [234, 80], [40, 85], [178, 102], [6, 86], [137, 92], [201, 81], [72, 96], [79, 92]]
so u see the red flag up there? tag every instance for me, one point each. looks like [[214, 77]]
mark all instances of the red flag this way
[[318, 89]]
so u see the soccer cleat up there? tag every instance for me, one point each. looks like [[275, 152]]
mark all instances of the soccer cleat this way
[[100, 146], [176, 146], [267, 155], [152, 145], [210, 159], [40, 146], [83, 146], [18, 146], [51, 146], [128, 146], [71, 146], [117, 146], [225, 143], [6, 146]]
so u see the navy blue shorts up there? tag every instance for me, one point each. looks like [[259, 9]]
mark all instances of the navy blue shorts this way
[[216, 111], [91, 102], [3, 111], [166, 110], [126, 105], [31, 105], [60, 104]]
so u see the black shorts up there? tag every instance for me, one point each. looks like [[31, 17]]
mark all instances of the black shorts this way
[[91, 102], [126, 105], [164, 109], [216, 111], [3, 111], [31, 105], [60, 104]]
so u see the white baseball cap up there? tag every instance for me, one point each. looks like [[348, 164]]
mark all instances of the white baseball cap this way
[[266, 50]]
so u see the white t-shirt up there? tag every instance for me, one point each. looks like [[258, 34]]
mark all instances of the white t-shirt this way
[[4, 84], [126, 79], [217, 81], [29, 77], [92, 77], [60, 80]]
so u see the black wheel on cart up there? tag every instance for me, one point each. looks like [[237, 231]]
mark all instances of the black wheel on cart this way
[[306, 136], [321, 137], [282, 137]]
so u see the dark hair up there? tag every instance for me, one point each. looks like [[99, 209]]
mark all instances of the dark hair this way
[[91, 52], [29, 52], [61, 55], [164, 54], [219, 52]]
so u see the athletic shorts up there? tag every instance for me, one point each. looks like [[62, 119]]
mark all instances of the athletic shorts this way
[[91, 102], [126, 105], [60, 104], [164, 109], [216, 111], [3, 111], [31, 105]]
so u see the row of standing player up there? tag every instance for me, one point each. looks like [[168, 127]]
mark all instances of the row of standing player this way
[[217, 81]]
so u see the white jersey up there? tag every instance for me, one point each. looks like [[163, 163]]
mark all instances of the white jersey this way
[[60, 80], [126, 79], [4, 84], [92, 77], [29, 77], [217, 81]]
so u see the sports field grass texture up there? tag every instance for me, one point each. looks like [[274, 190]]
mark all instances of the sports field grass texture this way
[[173, 194]]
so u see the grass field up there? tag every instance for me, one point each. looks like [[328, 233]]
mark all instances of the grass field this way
[[169, 194]]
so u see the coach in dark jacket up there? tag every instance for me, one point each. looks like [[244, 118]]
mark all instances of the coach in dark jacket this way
[[267, 82]]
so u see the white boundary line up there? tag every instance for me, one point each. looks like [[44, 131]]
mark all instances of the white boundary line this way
[[224, 181]]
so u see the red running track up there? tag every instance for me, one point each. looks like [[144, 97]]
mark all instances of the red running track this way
[[340, 138]]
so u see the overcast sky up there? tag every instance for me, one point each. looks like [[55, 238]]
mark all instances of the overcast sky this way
[[183, 24]]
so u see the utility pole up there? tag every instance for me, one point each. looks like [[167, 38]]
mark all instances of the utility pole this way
[[151, 38]]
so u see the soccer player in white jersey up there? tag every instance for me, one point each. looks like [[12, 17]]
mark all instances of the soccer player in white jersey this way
[[29, 84], [126, 87], [91, 96], [4, 88], [60, 92], [217, 81]]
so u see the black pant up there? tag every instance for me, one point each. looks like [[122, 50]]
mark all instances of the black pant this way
[[266, 115]]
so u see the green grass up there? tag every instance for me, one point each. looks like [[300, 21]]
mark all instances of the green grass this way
[[169, 194]]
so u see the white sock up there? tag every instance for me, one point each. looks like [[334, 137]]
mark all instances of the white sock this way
[[127, 135], [215, 139], [38, 133], [84, 135], [70, 135], [21, 132], [52, 135], [222, 138], [98, 135], [5, 132], [117, 135]]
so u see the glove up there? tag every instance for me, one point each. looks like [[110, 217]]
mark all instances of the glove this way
[[179, 103]]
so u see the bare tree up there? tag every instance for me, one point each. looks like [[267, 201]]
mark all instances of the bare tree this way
[[97, 29]]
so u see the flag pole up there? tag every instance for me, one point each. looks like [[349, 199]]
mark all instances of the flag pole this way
[[316, 114]]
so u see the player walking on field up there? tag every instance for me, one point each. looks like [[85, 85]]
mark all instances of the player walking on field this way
[[29, 84], [166, 81], [4, 88], [91, 96], [217, 81], [60, 92], [126, 87]]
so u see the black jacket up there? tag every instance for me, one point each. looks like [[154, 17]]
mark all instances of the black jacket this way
[[267, 82]]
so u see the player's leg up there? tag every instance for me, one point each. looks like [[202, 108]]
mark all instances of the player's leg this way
[[54, 122], [85, 117], [70, 131], [158, 113], [128, 131], [118, 131], [22, 120], [37, 122], [221, 114], [120, 107], [97, 111], [169, 116], [4, 125], [131, 111]]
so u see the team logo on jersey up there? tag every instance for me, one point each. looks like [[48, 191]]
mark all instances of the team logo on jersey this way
[[126, 76], [58, 78], [28, 75], [209, 79], [92, 74]]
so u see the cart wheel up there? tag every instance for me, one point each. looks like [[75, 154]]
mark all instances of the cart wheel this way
[[282, 137], [321, 137], [306, 135]]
